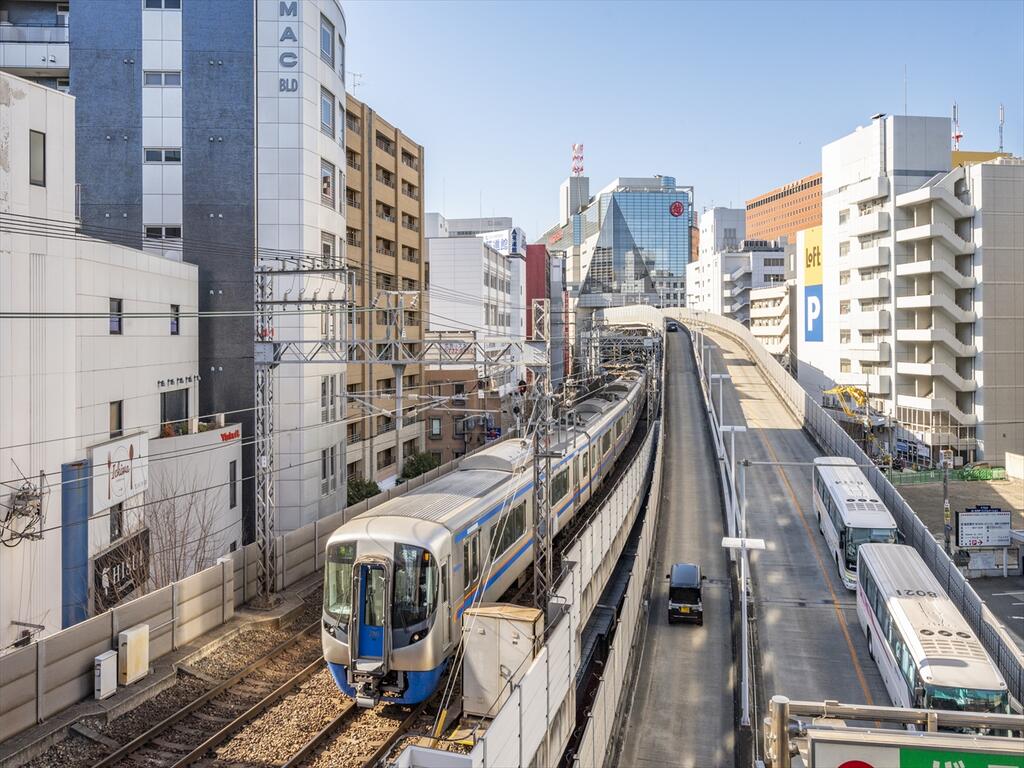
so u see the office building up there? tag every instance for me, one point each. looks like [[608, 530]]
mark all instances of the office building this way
[[100, 430], [545, 279], [914, 292], [722, 282], [721, 229], [782, 212], [385, 247], [215, 132], [628, 244]]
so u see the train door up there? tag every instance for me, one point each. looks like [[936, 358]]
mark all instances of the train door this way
[[470, 566], [577, 483], [373, 588], [446, 604]]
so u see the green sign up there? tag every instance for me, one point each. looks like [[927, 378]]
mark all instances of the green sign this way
[[911, 757]]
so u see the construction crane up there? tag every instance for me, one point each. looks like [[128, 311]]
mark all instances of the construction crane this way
[[860, 398]]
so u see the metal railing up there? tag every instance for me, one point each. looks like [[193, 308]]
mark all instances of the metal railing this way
[[33, 33], [351, 162], [390, 183], [386, 145], [410, 161]]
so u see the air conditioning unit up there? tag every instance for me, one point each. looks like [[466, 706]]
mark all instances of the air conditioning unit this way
[[133, 654], [105, 675]]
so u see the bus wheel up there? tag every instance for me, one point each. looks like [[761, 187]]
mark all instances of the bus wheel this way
[[871, 650]]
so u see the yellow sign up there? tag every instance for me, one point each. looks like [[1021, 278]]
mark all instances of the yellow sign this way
[[812, 256]]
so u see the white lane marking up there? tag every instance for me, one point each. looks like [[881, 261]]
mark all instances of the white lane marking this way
[[1008, 594]]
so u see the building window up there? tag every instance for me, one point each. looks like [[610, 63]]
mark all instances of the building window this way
[[341, 56], [326, 41], [328, 470], [232, 484], [154, 155], [116, 516], [116, 418], [435, 427], [163, 233], [385, 458], [327, 112], [175, 319], [327, 183], [327, 250], [37, 158], [174, 410], [165, 5], [116, 317], [154, 79]]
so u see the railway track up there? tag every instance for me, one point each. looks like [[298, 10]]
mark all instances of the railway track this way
[[184, 737]]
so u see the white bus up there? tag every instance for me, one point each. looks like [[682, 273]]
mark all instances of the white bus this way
[[849, 513], [928, 656]]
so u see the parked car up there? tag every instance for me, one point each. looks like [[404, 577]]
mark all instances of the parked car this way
[[685, 593]]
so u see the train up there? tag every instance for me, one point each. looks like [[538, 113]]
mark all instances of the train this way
[[399, 577]]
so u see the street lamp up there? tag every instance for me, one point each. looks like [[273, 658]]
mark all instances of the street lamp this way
[[743, 544], [721, 387]]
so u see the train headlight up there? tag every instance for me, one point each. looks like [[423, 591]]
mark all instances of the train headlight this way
[[417, 636]]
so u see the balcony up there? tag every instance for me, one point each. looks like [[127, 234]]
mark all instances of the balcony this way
[[939, 232], [387, 181], [386, 146], [875, 288], [937, 369], [868, 189], [390, 218], [385, 251], [410, 161], [937, 405], [868, 258], [936, 336], [868, 352], [410, 191], [936, 193], [353, 162], [868, 224], [937, 301], [352, 124], [35, 50], [877, 320], [411, 225], [937, 267]]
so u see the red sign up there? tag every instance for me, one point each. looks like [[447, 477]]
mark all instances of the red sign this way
[[555, 237], [856, 764], [676, 209], [233, 434]]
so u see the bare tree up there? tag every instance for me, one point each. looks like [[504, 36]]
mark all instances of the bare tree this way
[[181, 514]]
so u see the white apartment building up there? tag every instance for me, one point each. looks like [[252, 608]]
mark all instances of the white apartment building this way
[[99, 423], [771, 307], [721, 282], [721, 229], [917, 296]]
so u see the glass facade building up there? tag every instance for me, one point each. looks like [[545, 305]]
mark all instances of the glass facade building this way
[[632, 242]]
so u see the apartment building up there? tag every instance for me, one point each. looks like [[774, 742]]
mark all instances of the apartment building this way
[[386, 249], [102, 444], [471, 416], [214, 131], [721, 229], [782, 212], [771, 308], [915, 294], [722, 282]]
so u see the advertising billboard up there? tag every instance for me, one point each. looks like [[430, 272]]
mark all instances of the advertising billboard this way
[[813, 291], [983, 526], [120, 570], [120, 470]]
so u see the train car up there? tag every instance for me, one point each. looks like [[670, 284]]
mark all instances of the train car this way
[[398, 577]]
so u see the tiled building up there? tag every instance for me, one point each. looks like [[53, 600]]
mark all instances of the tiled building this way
[[784, 211]]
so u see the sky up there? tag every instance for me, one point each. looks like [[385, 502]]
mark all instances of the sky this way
[[731, 98]]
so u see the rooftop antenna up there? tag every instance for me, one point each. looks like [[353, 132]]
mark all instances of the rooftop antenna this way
[[957, 133], [356, 78], [577, 159], [1002, 122]]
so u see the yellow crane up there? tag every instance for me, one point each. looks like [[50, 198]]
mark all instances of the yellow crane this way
[[860, 399]]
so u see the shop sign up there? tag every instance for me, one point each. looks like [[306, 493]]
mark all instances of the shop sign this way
[[233, 434], [120, 470], [121, 570]]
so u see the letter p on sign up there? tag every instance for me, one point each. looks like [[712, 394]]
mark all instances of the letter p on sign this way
[[813, 330]]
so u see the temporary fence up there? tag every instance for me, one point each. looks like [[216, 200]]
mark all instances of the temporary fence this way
[[53, 673]]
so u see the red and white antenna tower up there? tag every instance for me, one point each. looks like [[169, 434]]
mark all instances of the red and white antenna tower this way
[[577, 159], [957, 133]]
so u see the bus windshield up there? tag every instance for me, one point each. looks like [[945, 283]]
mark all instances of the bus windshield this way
[[967, 699], [857, 536], [338, 582]]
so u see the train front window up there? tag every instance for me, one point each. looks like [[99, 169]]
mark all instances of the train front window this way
[[416, 580], [857, 536], [967, 699], [338, 581]]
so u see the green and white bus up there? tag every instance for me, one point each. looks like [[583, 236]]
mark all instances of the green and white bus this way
[[928, 656]]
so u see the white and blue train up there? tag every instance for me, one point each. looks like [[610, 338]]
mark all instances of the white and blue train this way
[[399, 576]]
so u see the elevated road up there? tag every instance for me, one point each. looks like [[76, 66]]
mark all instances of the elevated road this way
[[810, 644], [682, 710]]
